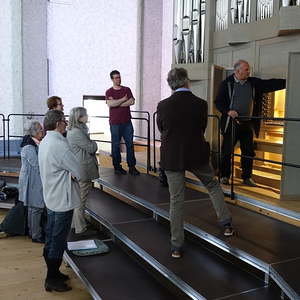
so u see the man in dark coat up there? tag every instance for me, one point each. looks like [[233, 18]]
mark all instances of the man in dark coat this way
[[242, 96], [182, 120]]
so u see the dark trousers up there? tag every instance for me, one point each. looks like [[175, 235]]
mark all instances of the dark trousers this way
[[117, 132], [57, 230], [243, 134]]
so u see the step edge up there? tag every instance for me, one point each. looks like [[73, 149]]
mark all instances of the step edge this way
[[156, 210], [286, 288], [261, 266], [179, 283], [240, 254], [83, 279], [259, 204]]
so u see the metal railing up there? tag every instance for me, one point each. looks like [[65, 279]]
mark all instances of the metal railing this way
[[147, 138], [12, 116], [9, 118], [3, 134], [233, 155], [218, 152]]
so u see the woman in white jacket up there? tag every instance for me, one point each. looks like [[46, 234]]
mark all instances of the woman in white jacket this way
[[85, 152]]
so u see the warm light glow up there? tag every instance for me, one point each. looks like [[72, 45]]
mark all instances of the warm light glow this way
[[279, 104]]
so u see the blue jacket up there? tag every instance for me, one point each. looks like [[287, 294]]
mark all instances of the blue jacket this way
[[30, 184]]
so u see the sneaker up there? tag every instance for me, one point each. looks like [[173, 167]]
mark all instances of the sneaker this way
[[133, 171], [120, 171], [250, 182], [225, 180], [229, 231], [176, 252]]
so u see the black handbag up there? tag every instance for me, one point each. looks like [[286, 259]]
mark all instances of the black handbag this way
[[2, 183], [11, 192]]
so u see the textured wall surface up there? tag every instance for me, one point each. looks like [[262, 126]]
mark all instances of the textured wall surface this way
[[87, 40], [34, 34], [11, 60]]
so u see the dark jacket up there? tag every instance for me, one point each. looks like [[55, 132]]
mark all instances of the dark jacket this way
[[259, 87], [182, 120]]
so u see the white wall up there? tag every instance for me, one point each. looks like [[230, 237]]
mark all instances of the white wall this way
[[167, 46], [10, 59], [86, 40], [34, 32]]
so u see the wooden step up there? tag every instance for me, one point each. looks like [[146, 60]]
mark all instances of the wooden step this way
[[268, 145], [272, 169], [265, 178]]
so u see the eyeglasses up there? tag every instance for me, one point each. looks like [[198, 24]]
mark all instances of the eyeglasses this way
[[65, 121]]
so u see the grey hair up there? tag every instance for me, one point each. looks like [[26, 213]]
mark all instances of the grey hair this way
[[177, 78], [32, 128], [52, 117], [237, 64], [75, 114]]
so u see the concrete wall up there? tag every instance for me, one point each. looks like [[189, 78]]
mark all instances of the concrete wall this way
[[35, 79], [86, 41], [11, 60]]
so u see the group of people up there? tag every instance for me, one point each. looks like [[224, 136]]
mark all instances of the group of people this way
[[59, 158], [58, 165], [182, 120]]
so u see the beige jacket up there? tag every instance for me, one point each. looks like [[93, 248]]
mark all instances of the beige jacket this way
[[85, 152]]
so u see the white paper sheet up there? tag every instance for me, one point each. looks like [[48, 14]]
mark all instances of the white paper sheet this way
[[82, 245]]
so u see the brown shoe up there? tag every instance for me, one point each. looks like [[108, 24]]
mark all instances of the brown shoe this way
[[176, 252]]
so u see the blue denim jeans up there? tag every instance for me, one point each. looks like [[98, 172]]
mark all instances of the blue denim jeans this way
[[117, 132], [57, 230]]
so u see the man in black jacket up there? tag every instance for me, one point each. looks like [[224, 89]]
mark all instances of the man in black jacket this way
[[182, 120], [241, 96]]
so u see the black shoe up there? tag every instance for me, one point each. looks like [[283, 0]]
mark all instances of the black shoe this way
[[120, 171], [55, 284], [40, 241], [62, 276], [133, 171], [249, 182]]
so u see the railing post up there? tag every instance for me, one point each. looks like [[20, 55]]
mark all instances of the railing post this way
[[148, 146], [3, 127], [219, 148], [154, 143], [232, 158], [8, 142]]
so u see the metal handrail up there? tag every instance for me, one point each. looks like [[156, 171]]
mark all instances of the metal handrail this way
[[3, 134], [287, 164], [8, 127], [158, 140], [147, 137]]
